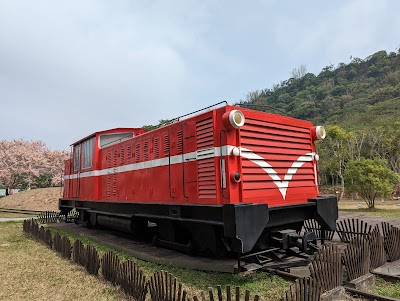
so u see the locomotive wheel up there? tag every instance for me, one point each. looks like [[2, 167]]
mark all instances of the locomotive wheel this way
[[139, 227], [207, 240], [166, 230], [83, 218]]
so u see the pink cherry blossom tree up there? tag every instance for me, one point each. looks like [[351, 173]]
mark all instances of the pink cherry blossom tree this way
[[21, 162]]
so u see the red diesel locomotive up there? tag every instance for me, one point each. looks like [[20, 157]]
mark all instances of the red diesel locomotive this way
[[225, 179]]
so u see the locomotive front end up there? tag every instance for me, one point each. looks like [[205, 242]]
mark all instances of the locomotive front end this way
[[272, 165]]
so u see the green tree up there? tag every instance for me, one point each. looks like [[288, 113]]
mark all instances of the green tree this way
[[370, 178], [161, 123], [336, 152]]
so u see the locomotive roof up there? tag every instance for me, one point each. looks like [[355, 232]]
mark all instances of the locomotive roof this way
[[114, 130]]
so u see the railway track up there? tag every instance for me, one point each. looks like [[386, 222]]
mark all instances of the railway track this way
[[21, 211]]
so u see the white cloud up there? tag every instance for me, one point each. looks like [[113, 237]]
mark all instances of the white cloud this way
[[71, 67]]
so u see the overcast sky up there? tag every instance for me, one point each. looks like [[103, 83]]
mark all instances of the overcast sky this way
[[70, 68]]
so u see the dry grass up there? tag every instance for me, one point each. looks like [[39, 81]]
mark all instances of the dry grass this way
[[383, 208], [30, 271]]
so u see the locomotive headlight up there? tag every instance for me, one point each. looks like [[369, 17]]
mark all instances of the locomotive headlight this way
[[233, 119], [318, 132], [236, 119]]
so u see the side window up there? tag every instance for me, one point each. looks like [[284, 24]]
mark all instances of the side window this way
[[77, 157], [87, 153]]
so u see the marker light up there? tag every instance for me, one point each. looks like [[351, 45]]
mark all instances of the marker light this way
[[318, 132], [235, 151]]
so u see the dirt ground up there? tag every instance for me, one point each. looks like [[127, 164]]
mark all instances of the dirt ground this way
[[43, 199]]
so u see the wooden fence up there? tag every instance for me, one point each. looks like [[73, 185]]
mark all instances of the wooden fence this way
[[304, 289], [311, 225], [363, 253], [392, 244], [164, 287], [377, 250], [356, 258], [349, 228], [326, 267], [229, 295]]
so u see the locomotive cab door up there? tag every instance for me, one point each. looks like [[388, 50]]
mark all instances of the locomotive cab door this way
[[181, 178], [189, 172], [75, 174]]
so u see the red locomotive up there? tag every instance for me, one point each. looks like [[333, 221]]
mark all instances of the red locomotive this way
[[225, 179]]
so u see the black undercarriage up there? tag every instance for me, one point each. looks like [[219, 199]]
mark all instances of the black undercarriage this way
[[212, 230]]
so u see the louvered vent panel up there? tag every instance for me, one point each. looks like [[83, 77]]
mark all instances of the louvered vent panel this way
[[279, 146], [179, 142], [156, 143], [166, 146], [108, 188], [206, 167], [146, 151], [114, 181], [128, 154], [137, 152], [122, 156], [204, 133]]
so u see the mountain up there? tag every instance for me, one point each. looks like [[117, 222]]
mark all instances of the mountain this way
[[364, 93]]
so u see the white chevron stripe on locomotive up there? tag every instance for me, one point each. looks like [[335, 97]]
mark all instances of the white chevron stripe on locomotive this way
[[282, 184]]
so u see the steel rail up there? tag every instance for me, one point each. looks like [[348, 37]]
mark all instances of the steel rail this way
[[285, 275], [369, 296], [388, 277]]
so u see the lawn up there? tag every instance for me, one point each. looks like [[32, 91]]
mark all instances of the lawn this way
[[383, 208], [31, 271]]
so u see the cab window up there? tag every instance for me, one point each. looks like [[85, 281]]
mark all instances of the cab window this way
[[87, 153], [77, 157]]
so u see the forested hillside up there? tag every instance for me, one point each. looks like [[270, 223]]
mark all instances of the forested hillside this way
[[363, 93], [359, 103]]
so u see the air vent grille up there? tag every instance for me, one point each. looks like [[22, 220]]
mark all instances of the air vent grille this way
[[206, 167], [156, 143], [166, 146]]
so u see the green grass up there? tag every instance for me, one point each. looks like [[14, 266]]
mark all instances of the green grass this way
[[386, 288]]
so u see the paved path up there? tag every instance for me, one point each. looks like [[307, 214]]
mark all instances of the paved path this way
[[370, 219]]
